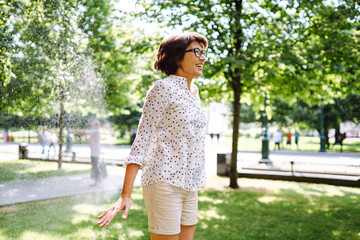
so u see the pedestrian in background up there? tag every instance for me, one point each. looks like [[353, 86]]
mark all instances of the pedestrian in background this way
[[169, 145], [132, 136], [5, 134], [43, 139], [297, 135], [52, 142], [288, 138], [277, 138]]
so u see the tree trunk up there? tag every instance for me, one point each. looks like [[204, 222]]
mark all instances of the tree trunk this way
[[326, 134], [235, 137], [235, 76], [61, 126]]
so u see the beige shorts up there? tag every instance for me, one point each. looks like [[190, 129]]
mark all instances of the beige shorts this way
[[168, 207]]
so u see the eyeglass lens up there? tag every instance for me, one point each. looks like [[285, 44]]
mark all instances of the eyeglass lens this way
[[198, 52]]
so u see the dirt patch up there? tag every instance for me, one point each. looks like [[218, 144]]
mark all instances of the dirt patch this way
[[218, 184]]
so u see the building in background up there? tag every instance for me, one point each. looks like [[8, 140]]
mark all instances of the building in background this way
[[218, 120]]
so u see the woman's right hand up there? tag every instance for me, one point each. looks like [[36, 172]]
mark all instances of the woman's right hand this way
[[124, 203]]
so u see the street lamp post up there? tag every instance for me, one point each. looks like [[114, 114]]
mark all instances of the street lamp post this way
[[265, 140], [322, 137]]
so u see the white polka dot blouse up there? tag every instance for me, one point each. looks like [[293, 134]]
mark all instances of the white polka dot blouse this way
[[169, 144]]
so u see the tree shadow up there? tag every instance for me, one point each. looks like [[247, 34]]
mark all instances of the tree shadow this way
[[287, 215]]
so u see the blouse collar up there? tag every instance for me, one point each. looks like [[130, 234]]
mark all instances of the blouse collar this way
[[183, 84], [181, 80]]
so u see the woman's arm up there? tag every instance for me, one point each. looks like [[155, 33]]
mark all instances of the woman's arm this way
[[154, 108], [124, 202], [130, 175]]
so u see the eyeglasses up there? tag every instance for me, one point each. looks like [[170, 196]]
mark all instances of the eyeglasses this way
[[197, 52]]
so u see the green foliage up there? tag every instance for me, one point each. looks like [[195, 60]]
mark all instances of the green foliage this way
[[247, 113], [281, 113], [5, 41], [348, 108], [46, 57], [339, 110], [82, 54], [126, 121], [294, 50]]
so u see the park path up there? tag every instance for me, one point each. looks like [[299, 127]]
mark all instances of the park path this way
[[54, 187]]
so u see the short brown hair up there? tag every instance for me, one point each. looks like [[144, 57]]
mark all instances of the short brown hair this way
[[171, 51]]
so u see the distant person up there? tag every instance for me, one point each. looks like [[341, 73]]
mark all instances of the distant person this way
[[8, 137], [339, 138], [52, 142], [43, 139], [69, 137], [132, 136], [5, 136], [288, 138], [98, 172], [297, 135], [217, 135], [277, 137]]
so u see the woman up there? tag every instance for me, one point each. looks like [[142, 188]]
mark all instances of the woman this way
[[169, 146]]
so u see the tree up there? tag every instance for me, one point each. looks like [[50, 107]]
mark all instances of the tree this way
[[53, 71], [243, 38], [72, 57], [69, 78]]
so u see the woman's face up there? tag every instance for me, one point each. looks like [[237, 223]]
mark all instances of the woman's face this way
[[192, 66]]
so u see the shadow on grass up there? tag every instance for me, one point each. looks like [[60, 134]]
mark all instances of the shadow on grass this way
[[72, 218], [286, 215]]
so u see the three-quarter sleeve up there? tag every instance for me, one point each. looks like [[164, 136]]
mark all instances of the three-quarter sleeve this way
[[153, 111]]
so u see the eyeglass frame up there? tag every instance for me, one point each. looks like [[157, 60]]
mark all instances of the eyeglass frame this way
[[202, 52]]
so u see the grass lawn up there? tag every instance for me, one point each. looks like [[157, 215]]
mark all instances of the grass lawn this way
[[28, 169], [260, 209], [305, 144]]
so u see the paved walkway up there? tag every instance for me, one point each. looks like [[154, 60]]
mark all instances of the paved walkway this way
[[55, 187], [306, 164]]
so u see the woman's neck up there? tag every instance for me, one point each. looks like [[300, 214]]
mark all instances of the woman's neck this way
[[188, 79]]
